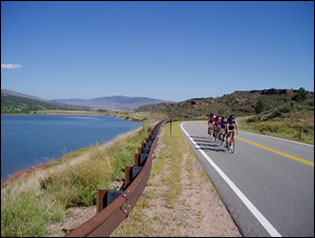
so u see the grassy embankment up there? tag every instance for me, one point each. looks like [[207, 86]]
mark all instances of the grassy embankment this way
[[286, 123], [27, 210], [286, 116]]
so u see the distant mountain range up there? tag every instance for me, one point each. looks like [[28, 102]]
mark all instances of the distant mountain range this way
[[14, 102], [111, 103]]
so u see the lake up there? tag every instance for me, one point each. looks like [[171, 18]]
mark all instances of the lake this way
[[30, 140]]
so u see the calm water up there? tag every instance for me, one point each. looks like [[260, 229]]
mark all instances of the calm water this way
[[29, 140]]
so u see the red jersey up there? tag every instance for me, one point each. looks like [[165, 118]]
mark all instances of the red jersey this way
[[216, 121]]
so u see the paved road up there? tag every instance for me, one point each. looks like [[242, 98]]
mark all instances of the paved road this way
[[267, 184]]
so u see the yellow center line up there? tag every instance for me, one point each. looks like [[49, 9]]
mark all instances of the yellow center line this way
[[273, 150]]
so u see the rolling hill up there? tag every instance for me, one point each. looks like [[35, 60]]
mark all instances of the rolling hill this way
[[14, 102], [239, 103], [111, 103]]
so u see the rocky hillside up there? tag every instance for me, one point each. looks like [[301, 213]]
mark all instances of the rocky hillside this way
[[240, 103]]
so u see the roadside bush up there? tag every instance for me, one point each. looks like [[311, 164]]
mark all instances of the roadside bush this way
[[285, 109], [278, 112], [22, 215], [254, 119], [286, 130], [274, 114], [269, 128]]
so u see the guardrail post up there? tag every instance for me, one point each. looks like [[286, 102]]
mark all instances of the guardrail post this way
[[100, 201], [127, 176], [137, 159], [140, 149]]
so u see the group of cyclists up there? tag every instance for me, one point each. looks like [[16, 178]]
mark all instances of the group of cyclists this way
[[220, 128]]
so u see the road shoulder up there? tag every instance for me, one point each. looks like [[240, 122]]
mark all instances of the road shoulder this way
[[179, 199]]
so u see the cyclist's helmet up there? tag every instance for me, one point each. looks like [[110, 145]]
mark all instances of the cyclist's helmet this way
[[232, 117]]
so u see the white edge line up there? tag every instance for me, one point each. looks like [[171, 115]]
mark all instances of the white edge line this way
[[259, 216]]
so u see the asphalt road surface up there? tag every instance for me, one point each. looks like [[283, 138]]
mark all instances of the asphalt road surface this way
[[267, 184]]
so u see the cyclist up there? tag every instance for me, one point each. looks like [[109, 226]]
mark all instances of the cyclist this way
[[217, 121], [230, 126], [210, 122], [222, 130]]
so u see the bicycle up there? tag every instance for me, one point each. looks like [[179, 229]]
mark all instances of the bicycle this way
[[231, 146], [221, 136], [216, 134], [211, 132]]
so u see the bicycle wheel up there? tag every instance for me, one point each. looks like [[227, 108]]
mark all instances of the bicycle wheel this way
[[216, 139], [227, 147], [221, 140], [212, 135], [232, 148]]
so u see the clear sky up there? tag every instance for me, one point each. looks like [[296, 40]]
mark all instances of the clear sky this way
[[165, 50]]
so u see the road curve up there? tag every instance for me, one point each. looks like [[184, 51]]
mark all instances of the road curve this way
[[267, 184]]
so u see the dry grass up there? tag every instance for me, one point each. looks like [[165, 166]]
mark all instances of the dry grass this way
[[71, 181]]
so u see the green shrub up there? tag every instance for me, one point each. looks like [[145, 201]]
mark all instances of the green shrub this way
[[254, 119], [300, 96], [22, 215], [260, 106], [269, 128]]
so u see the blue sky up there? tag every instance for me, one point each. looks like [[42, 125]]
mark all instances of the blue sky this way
[[165, 50]]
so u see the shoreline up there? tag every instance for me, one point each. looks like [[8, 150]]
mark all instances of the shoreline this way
[[53, 114], [32, 171], [74, 114], [20, 175], [28, 172]]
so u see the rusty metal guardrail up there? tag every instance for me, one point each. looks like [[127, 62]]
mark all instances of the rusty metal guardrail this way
[[114, 206]]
